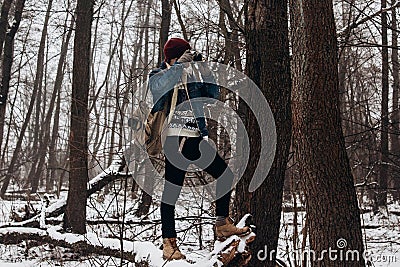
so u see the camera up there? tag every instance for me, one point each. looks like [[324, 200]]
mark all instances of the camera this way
[[197, 56]]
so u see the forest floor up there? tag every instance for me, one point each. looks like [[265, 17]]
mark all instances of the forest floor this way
[[143, 235]]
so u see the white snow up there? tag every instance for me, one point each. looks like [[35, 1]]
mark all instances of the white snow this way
[[113, 169], [22, 230], [144, 251], [58, 204]]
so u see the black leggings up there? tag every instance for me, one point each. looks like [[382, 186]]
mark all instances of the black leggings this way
[[175, 174]]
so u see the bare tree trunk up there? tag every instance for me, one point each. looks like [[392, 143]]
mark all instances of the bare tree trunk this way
[[232, 49], [134, 73], [180, 20], [146, 44], [331, 201], [146, 64], [166, 8], [120, 106], [381, 198], [96, 130], [7, 60], [109, 65], [5, 84], [53, 163], [118, 112], [5, 8], [32, 178], [146, 198], [395, 142], [97, 143], [113, 112], [343, 65], [7, 138], [75, 216], [268, 65], [47, 120], [229, 57]]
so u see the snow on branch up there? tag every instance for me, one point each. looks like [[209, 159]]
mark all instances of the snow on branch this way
[[112, 173], [82, 244], [355, 24]]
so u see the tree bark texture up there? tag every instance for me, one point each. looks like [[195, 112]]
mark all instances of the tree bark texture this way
[[5, 9], [384, 146], [75, 216], [5, 84], [331, 202], [395, 141], [268, 65], [165, 24]]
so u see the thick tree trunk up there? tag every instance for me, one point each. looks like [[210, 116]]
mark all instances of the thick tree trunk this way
[[268, 65], [6, 139], [75, 216], [5, 84], [381, 198], [165, 24], [7, 61], [331, 202], [5, 9], [394, 138]]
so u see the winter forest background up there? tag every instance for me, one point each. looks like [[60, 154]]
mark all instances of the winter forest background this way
[[329, 70]]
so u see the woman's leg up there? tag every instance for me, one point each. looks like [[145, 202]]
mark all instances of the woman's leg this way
[[217, 168], [174, 177], [220, 171]]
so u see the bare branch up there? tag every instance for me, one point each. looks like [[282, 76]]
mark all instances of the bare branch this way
[[225, 6], [355, 24]]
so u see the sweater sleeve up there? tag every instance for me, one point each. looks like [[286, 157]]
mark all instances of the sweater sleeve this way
[[162, 81]]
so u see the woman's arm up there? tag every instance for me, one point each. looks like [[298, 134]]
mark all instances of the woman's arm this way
[[162, 81]]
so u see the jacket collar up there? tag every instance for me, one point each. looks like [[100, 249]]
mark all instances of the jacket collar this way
[[163, 65]]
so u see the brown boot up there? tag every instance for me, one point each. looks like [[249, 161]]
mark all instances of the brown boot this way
[[226, 228], [171, 250]]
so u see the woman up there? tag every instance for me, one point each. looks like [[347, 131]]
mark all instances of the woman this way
[[187, 136]]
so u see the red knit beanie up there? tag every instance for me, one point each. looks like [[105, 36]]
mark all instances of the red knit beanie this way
[[175, 47]]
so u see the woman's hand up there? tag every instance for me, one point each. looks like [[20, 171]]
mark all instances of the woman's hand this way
[[186, 57]]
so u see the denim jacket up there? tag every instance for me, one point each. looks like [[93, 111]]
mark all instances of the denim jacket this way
[[162, 82]]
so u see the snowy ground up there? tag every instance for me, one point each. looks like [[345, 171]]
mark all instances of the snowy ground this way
[[196, 236]]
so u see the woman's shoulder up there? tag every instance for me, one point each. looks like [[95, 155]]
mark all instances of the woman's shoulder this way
[[154, 71]]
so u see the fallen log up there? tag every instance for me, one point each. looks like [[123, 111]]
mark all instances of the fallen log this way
[[83, 245], [111, 174], [233, 252], [205, 220]]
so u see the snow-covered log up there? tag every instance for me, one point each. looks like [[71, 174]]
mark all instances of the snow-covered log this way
[[112, 173], [232, 252], [135, 221], [81, 244]]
